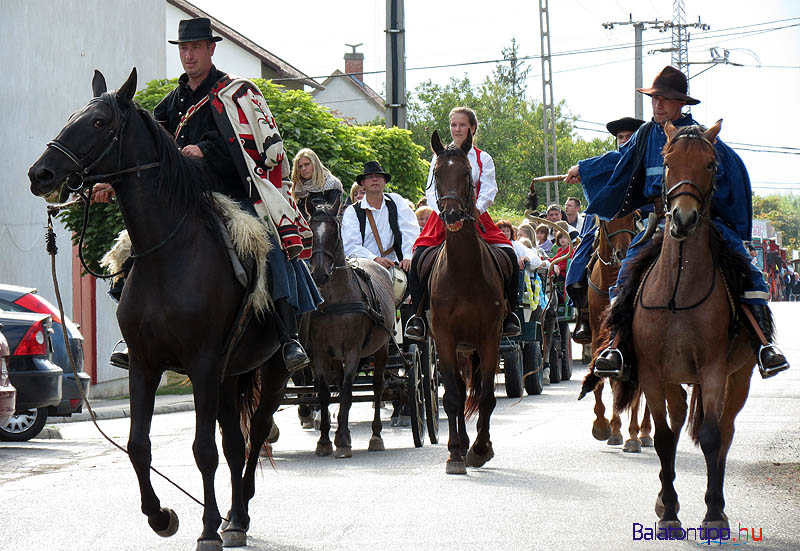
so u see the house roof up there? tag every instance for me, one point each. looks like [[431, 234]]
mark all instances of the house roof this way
[[268, 58], [358, 85]]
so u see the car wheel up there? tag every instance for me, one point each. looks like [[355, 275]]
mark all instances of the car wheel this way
[[24, 426]]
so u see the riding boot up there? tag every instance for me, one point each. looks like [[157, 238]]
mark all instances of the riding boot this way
[[511, 324], [293, 354], [120, 359], [415, 329], [115, 292], [583, 331], [610, 363], [771, 360]]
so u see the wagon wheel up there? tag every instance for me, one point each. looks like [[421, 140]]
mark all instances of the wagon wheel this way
[[430, 390], [414, 393]]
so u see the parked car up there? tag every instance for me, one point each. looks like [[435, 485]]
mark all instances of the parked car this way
[[26, 299], [8, 394], [31, 370]]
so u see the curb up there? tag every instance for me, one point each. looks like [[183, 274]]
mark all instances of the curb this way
[[123, 411]]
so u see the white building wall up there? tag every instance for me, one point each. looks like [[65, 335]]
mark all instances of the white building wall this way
[[50, 53], [342, 97], [228, 57]]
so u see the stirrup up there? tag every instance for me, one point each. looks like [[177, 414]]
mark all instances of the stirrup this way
[[767, 372], [413, 331], [603, 367], [120, 359], [511, 325]]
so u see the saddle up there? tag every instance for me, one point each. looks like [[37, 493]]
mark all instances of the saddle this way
[[370, 303], [429, 256]]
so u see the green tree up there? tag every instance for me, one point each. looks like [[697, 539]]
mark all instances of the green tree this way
[[784, 213]]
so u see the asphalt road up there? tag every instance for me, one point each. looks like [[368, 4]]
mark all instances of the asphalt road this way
[[550, 485]]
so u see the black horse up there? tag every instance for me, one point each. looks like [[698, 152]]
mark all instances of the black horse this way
[[179, 302], [346, 327]]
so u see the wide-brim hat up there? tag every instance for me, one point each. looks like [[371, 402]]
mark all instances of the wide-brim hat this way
[[671, 84], [192, 30], [625, 123], [373, 167]]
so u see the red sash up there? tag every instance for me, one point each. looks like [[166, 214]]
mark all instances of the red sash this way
[[434, 231]]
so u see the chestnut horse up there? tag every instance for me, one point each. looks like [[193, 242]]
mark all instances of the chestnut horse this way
[[685, 325], [467, 307], [613, 239]]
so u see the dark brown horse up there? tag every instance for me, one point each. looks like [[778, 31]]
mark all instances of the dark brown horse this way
[[467, 307], [347, 327], [612, 241], [686, 329], [180, 300]]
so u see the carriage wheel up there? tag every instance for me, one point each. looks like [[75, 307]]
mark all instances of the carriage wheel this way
[[414, 394], [566, 352], [532, 361], [430, 390], [512, 364]]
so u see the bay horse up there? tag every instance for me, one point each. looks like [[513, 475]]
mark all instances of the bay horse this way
[[467, 307], [180, 300], [686, 326], [612, 241], [347, 327]]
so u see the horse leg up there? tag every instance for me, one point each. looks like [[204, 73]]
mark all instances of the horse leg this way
[[342, 439], [380, 357], [143, 384], [481, 451], [234, 529], [600, 428], [665, 443], [453, 399], [321, 364], [632, 444], [645, 429]]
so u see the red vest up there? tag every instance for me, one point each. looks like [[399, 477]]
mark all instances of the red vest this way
[[434, 231]]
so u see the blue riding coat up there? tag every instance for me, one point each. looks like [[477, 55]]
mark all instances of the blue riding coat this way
[[607, 183]]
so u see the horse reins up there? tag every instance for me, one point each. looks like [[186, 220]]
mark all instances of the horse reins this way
[[464, 212]]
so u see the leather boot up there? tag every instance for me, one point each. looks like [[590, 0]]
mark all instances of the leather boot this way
[[415, 328], [771, 360], [583, 331], [511, 326], [120, 359], [293, 354], [610, 363]]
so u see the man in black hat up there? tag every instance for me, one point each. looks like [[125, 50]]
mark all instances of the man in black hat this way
[[381, 226], [620, 182]]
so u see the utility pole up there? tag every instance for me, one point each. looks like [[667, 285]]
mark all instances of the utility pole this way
[[548, 104], [395, 64]]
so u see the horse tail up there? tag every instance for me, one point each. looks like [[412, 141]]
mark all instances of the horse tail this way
[[474, 385], [249, 394], [696, 414], [626, 393]]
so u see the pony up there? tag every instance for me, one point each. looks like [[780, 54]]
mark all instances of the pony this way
[[467, 307], [180, 302], [352, 323], [686, 326], [613, 239]]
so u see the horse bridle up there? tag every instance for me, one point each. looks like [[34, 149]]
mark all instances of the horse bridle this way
[[616, 254], [466, 207], [327, 254], [114, 137], [701, 197]]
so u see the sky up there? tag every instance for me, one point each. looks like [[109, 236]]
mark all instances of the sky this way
[[758, 100]]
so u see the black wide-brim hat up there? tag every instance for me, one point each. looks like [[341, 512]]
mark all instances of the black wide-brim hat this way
[[625, 123], [193, 30], [373, 167], [671, 84]]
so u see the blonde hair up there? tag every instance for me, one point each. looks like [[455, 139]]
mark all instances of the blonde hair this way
[[527, 230], [317, 179], [353, 191], [527, 242]]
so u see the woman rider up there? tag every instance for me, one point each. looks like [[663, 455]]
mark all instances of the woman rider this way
[[463, 122], [310, 178]]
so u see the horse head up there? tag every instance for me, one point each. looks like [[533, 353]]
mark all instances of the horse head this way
[[619, 233], [84, 145], [452, 176], [690, 165], [326, 242]]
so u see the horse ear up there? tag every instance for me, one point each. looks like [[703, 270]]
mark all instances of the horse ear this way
[[310, 206], [126, 91], [669, 129], [98, 84], [436, 142], [466, 147], [711, 133], [334, 210]]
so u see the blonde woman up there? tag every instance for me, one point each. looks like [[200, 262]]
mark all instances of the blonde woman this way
[[311, 179]]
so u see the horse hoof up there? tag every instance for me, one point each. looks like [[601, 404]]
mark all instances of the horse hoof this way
[[234, 538], [376, 444], [324, 450], [718, 525], [172, 525], [615, 440], [209, 545], [601, 433], [647, 442], [475, 460], [307, 424], [632, 446], [343, 452], [455, 467], [274, 434], [660, 507], [669, 525]]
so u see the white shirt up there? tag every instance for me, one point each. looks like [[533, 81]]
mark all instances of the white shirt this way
[[533, 256], [487, 178], [351, 231]]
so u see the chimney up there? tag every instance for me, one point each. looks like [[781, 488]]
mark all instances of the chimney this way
[[354, 62]]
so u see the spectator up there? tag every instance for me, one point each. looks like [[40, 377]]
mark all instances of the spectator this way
[[543, 239], [423, 213]]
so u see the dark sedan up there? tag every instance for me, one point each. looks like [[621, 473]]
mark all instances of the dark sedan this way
[[36, 378], [8, 394], [26, 299]]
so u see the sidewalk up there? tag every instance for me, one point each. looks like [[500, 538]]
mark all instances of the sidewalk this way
[[117, 409]]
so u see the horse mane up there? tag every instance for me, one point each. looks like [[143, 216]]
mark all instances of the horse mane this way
[[184, 182]]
